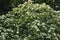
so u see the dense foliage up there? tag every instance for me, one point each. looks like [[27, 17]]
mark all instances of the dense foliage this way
[[30, 22]]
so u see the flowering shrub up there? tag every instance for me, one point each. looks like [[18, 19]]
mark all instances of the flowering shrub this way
[[30, 22]]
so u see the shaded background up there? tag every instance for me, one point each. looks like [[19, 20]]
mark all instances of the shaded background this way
[[7, 5]]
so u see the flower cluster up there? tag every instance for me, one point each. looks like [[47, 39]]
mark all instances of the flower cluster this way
[[30, 22]]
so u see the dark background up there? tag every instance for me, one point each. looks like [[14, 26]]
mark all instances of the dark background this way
[[7, 5]]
